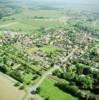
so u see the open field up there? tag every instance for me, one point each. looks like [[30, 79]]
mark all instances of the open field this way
[[48, 90], [8, 91], [32, 20], [7, 25]]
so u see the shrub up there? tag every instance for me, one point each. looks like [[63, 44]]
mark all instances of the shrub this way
[[74, 90], [47, 98], [17, 84], [21, 87], [68, 88], [38, 90], [90, 96]]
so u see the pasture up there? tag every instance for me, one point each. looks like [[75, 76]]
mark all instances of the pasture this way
[[29, 21], [48, 90]]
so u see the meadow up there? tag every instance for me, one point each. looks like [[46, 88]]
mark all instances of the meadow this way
[[29, 21], [48, 90]]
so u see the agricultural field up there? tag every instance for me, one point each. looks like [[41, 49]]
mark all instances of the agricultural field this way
[[32, 20], [8, 91], [49, 51]]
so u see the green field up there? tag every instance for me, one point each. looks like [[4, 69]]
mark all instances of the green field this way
[[53, 93], [30, 21]]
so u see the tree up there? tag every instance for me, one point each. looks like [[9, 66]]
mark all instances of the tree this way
[[27, 78], [80, 68], [85, 82]]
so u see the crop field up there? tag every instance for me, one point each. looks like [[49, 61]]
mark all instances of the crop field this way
[[30, 21], [8, 91]]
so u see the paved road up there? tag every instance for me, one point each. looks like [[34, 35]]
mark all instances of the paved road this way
[[44, 76], [50, 71], [33, 88]]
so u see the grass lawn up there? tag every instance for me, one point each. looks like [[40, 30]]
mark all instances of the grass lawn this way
[[49, 90], [97, 45], [8, 91]]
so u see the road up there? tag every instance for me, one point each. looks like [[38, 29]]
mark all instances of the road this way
[[50, 71], [31, 90]]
